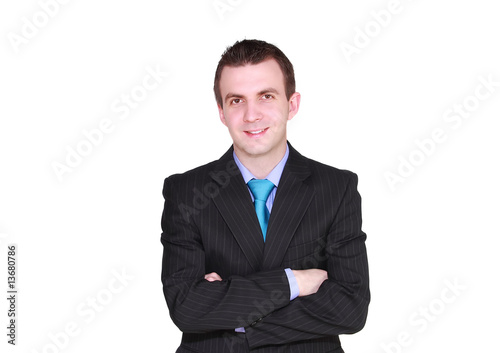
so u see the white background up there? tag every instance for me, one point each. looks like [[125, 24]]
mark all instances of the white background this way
[[361, 112]]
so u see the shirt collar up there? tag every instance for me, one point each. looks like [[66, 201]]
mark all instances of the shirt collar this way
[[275, 174]]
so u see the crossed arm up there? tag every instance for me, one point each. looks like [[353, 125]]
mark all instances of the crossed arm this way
[[330, 302], [309, 281]]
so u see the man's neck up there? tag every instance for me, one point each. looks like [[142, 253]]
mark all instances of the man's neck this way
[[261, 166]]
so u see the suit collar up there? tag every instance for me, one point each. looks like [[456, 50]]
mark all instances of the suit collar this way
[[234, 203], [236, 207], [292, 200]]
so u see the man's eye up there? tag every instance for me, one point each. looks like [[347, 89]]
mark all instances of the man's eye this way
[[236, 101], [267, 96]]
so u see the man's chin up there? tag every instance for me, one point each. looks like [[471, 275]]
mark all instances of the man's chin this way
[[253, 151]]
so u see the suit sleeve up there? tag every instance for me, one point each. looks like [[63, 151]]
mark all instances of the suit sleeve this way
[[340, 306], [196, 305]]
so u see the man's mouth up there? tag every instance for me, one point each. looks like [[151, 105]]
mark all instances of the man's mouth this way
[[256, 132]]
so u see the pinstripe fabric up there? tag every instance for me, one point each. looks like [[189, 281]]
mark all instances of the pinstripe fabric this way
[[209, 225]]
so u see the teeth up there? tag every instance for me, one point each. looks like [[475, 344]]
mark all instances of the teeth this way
[[255, 132]]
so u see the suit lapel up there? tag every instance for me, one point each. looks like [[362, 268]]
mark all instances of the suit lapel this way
[[290, 204], [235, 205]]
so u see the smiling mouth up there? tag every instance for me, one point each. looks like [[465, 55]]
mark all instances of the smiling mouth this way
[[256, 132]]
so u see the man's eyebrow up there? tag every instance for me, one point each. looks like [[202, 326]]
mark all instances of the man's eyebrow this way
[[261, 92], [232, 95], [268, 90]]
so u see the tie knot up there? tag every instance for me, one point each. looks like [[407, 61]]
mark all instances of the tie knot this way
[[261, 188]]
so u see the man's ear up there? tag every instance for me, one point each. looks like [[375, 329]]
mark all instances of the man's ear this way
[[221, 115], [293, 105]]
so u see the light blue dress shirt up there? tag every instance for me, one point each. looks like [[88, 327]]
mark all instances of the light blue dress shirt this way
[[274, 176]]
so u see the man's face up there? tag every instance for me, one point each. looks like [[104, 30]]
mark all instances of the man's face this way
[[255, 109]]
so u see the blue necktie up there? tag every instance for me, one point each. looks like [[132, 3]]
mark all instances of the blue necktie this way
[[261, 188]]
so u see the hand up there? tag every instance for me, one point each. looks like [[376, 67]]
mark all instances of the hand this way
[[211, 277], [309, 281]]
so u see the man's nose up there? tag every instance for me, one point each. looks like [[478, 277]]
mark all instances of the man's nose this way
[[252, 113]]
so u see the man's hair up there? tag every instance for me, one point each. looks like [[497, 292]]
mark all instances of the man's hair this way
[[252, 51]]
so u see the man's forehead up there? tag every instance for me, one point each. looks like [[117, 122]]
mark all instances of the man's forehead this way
[[265, 72]]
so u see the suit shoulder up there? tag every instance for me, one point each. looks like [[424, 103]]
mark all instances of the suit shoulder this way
[[185, 181], [193, 173], [203, 176], [225, 162], [329, 180], [325, 170]]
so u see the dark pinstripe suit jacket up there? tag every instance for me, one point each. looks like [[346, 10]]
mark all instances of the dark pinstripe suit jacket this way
[[209, 225]]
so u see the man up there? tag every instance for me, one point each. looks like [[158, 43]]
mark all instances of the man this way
[[263, 248]]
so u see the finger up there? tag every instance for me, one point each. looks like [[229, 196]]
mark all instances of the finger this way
[[211, 277]]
